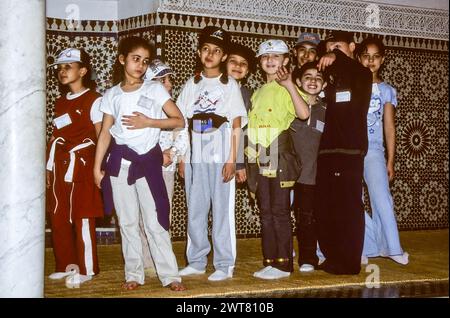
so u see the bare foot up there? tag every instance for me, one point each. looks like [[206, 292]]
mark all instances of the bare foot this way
[[132, 285], [177, 286]]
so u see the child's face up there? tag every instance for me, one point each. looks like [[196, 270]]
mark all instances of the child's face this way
[[311, 82], [372, 58], [211, 56], [167, 83], [305, 52], [135, 63], [69, 73], [237, 67], [271, 62], [346, 48]]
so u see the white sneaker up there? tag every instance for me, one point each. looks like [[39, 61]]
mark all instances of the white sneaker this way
[[219, 275], [401, 259], [306, 268], [59, 275], [74, 281], [274, 273], [258, 273], [364, 260], [188, 270]]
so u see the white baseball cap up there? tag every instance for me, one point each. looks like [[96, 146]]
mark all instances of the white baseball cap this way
[[157, 69], [272, 46], [69, 55]]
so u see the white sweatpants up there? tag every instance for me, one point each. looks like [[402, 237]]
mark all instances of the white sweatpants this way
[[169, 180], [129, 202]]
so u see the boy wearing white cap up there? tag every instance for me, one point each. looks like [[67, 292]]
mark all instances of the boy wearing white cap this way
[[273, 168], [73, 199]]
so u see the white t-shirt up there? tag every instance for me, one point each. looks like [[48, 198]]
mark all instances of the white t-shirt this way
[[149, 100], [96, 115], [212, 96]]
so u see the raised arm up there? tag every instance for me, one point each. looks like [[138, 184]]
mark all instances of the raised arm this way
[[285, 80]]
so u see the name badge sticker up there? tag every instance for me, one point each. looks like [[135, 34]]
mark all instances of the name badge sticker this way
[[145, 102], [344, 96], [320, 125], [62, 121]]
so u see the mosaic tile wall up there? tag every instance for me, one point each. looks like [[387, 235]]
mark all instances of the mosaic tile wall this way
[[418, 68]]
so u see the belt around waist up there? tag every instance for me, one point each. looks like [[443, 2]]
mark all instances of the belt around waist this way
[[359, 152], [204, 123]]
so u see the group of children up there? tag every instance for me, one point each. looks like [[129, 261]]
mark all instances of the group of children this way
[[308, 128]]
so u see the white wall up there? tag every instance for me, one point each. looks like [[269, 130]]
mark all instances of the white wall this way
[[133, 8], [104, 10], [429, 4]]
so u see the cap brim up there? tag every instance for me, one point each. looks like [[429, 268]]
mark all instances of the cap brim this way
[[164, 73], [64, 62], [308, 42], [271, 52], [215, 41]]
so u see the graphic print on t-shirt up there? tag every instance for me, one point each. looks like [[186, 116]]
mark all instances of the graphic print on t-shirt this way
[[207, 101], [374, 113]]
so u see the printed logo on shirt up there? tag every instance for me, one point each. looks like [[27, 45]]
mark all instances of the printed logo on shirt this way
[[374, 113], [208, 101]]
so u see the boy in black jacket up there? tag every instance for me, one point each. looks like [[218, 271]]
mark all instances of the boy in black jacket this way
[[343, 145]]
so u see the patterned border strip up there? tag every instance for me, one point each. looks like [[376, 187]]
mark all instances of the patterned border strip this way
[[239, 26], [97, 26], [327, 14], [285, 31], [91, 26]]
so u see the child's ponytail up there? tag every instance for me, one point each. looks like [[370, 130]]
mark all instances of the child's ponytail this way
[[89, 78]]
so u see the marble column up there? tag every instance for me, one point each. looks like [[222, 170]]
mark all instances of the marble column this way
[[22, 147]]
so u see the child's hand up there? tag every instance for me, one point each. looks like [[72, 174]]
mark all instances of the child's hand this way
[[167, 157], [48, 177], [241, 176], [326, 61], [390, 171], [181, 166], [98, 176], [284, 77], [138, 121], [228, 171]]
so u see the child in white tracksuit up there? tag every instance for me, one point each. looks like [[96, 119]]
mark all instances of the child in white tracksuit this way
[[213, 105]]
